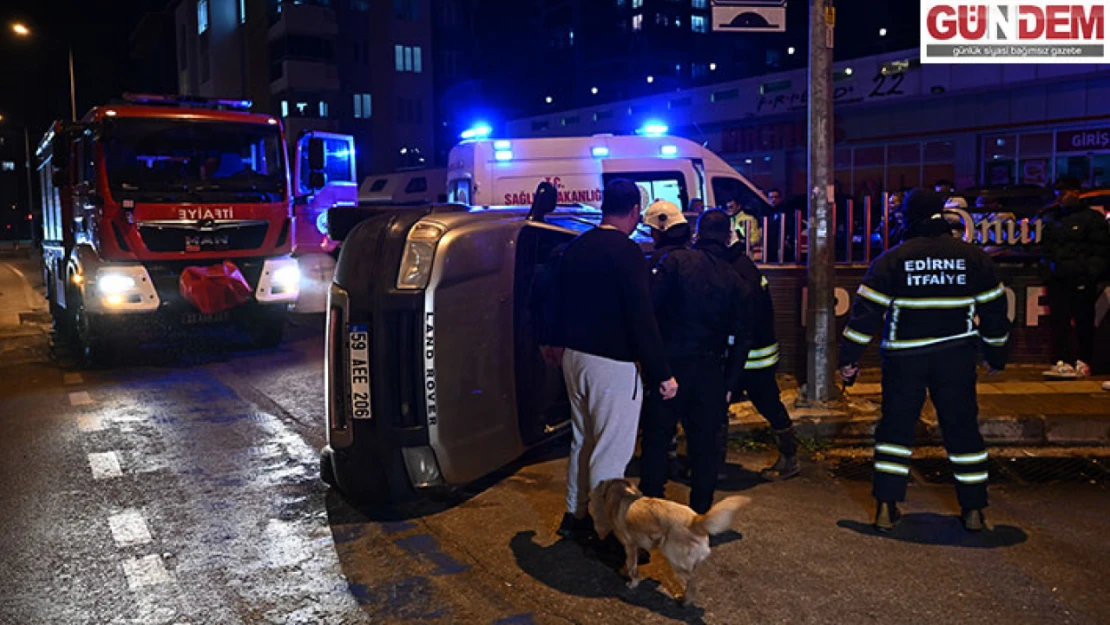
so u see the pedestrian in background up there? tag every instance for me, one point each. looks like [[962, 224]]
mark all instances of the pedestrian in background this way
[[608, 331], [929, 289], [758, 380], [700, 302], [1076, 248]]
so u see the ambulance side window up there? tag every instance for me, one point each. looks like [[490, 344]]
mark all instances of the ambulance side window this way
[[656, 185], [725, 189]]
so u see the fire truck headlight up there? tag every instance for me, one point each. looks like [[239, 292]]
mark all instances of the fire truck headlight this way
[[114, 283], [286, 279], [420, 249]]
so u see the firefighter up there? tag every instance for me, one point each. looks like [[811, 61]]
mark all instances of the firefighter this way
[[669, 229], [930, 289], [758, 379]]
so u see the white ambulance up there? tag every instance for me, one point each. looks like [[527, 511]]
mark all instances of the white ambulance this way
[[503, 172]]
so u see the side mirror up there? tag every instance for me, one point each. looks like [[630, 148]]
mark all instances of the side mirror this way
[[316, 155], [316, 180]]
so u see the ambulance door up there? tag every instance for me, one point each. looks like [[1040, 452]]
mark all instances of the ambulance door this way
[[659, 179]]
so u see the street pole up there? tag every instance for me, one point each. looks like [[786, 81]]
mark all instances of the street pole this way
[[821, 306], [72, 89], [30, 191]]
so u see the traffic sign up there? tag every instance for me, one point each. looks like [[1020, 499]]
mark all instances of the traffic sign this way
[[749, 16]]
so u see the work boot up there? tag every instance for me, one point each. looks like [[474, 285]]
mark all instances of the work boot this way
[[887, 516], [973, 519], [786, 466], [576, 529]]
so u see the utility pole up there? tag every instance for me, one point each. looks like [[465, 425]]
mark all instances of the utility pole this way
[[820, 302]]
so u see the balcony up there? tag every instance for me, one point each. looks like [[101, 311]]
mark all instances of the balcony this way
[[293, 75], [303, 19]]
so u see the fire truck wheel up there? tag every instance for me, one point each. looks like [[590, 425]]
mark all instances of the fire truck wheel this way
[[93, 347], [266, 328]]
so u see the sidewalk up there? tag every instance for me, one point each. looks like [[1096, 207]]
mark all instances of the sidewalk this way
[[24, 314], [1015, 408]]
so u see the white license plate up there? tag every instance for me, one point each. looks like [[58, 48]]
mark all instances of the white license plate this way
[[359, 368]]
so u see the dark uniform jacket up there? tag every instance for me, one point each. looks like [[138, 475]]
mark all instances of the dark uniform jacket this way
[[699, 303], [764, 352], [930, 289], [1075, 244]]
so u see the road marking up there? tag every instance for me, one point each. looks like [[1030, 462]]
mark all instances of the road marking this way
[[80, 398], [129, 528], [89, 423], [105, 465], [145, 571], [72, 378]]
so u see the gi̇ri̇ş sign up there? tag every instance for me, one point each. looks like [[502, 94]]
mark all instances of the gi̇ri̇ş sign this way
[[1014, 31]]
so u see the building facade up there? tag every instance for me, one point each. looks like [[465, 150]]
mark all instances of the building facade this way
[[898, 124], [359, 67]]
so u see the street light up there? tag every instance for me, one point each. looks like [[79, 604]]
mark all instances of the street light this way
[[882, 32], [650, 79], [790, 50], [21, 30]]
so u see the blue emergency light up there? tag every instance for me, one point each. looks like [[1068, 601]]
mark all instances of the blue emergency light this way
[[669, 150], [600, 151], [479, 131], [654, 128]]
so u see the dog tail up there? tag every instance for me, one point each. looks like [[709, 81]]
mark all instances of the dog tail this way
[[719, 517]]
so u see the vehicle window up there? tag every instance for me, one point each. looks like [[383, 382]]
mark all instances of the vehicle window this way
[[725, 189], [417, 185], [459, 191], [656, 185], [379, 184], [158, 157], [338, 159]]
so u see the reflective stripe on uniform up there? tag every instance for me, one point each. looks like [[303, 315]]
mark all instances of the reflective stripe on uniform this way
[[890, 467], [894, 450], [968, 458], [763, 352], [873, 295], [998, 342], [763, 282], [857, 337], [972, 478], [991, 295], [912, 343], [762, 363], [934, 302]]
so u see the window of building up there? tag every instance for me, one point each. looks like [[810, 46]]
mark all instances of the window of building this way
[[242, 11], [202, 16], [637, 22], [410, 110], [324, 110], [621, 3], [360, 5], [408, 58], [698, 24], [636, 4], [727, 94], [362, 106], [408, 10], [540, 125], [570, 120], [699, 4], [285, 108], [302, 47], [680, 103], [600, 115], [661, 20], [449, 13]]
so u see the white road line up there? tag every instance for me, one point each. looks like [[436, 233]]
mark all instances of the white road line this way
[[145, 571], [80, 398], [129, 528], [72, 378], [105, 465], [89, 423]]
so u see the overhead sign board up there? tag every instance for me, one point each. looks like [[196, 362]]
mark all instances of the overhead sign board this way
[[749, 16]]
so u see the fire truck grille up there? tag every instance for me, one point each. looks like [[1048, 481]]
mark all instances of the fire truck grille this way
[[159, 238]]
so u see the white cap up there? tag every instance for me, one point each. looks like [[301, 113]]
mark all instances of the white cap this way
[[661, 215]]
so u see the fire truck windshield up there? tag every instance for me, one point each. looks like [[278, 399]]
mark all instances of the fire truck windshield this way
[[167, 160]]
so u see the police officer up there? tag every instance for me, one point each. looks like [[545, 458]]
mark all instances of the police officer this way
[[758, 379], [930, 289], [699, 302]]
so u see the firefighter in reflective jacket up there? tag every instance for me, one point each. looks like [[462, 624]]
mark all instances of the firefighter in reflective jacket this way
[[758, 379], [942, 300]]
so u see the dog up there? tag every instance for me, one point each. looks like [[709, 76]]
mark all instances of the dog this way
[[648, 523]]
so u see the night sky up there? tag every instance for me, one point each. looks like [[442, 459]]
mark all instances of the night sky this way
[[34, 72]]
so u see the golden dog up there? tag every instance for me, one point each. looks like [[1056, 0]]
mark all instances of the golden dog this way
[[648, 523]]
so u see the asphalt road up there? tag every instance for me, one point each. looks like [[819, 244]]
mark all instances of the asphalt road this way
[[183, 488]]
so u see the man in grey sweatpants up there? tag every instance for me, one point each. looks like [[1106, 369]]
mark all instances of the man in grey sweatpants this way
[[606, 325]]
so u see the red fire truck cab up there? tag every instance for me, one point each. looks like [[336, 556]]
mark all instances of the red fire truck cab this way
[[162, 212]]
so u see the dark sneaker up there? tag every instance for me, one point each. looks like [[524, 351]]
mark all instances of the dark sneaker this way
[[887, 516], [784, 468], [973, 519], [577, 529]]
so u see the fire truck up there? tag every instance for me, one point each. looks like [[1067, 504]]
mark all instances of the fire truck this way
[[165, 211]]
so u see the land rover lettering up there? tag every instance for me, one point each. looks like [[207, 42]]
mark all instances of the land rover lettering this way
[[429, 369]]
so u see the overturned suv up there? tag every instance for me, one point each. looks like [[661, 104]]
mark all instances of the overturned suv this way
[[433, 372]]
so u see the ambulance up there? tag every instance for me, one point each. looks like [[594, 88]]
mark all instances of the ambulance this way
[[505, 172]]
